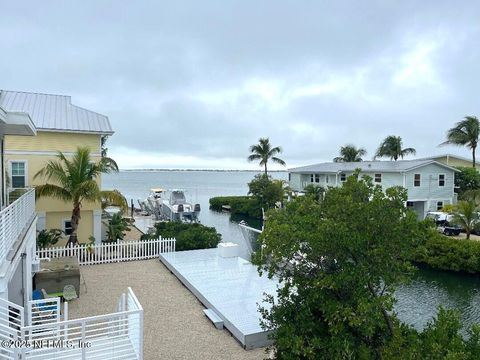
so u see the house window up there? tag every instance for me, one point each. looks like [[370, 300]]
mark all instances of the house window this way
[[317, 178], [439, 205], [441, 180], [416, 180], [409, 204], [312, 176], [378, 178], [326, 179], [343, 177], [19, 174], [67, 227], [289, 177]]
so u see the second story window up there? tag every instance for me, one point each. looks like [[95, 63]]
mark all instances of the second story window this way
[[317, 178], [343, 177], [311, 177], [378, 178], [19, 174], [441, 180], [416, 180]]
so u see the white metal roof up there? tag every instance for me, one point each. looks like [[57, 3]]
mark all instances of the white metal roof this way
[[367, 166], [55, 112]]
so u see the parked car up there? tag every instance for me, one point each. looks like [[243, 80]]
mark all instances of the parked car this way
[[444, 222]]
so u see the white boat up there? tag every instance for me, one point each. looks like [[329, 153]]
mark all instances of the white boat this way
[[176, 208], [170, 205]]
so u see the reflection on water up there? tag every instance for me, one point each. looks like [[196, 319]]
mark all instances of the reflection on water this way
[[416, 303]]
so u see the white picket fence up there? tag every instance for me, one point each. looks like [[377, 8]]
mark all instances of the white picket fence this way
[[111, 252]]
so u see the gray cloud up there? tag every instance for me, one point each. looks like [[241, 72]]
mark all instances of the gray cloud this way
[[198, 82]]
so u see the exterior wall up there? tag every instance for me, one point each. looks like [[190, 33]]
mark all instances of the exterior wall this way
[[53, 142], [54, 220], [295, 181], [16, 284], [429, 189], [35, 151]]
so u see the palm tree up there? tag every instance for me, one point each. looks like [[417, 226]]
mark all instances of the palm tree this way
[[391, 147], [263, 151], [465, 133], [75, 180], [349, 153], [466, 216]]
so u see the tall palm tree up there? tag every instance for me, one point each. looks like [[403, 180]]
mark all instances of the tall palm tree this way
[[391, 147], [466, 216], [465, 133], [349, 153], [75, 180], [264, 152]]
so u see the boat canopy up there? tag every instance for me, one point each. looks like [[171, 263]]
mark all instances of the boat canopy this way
[[157, 190]]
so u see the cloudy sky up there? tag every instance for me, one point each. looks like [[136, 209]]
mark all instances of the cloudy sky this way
[[194, 83]]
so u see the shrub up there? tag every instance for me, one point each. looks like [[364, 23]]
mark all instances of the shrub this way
[[244, 205], [444, 253], [46, 238], [467, 179], [116, 228], [188, 236]]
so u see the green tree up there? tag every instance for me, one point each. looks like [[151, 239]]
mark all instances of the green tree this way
[[465, 133], [467, 179], [466, 215], [264, 152], [339, 261], [266, 191], [75, 180], [391, 147], [116, 227], [349, 153]]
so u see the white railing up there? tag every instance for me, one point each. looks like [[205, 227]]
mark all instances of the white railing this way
[[111, 252], [11, 322], [14, 219], [117, 335], [43, 311]]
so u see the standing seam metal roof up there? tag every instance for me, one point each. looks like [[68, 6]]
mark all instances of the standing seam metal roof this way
[[55, 112]]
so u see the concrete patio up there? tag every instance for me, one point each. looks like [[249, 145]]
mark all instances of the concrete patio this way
[[174, 324]]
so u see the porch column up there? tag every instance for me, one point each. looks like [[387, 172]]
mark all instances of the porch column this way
[[41, 220], [97, 226]]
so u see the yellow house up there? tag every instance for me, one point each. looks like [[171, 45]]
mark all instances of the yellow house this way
[[453, 160], [61, 126]]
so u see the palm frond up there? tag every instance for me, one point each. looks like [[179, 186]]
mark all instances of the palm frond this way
[[51, 190], [279, 161], [114, 198]]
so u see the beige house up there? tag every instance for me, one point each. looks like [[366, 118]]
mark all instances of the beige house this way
[[61, 126], [452, 160]]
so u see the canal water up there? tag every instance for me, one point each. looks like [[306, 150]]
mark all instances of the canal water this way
[[417, 302]]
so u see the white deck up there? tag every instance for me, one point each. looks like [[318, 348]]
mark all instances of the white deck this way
[[229, 286]]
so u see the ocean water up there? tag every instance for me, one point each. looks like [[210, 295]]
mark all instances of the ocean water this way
[[417, 302]]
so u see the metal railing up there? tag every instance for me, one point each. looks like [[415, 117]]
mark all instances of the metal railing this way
[[111, 252], [14, 220], [117, 335]]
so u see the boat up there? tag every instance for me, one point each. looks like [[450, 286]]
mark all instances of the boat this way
[[169, 205], [176, 208]]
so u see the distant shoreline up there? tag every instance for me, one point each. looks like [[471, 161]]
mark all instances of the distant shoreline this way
[[204, 170]]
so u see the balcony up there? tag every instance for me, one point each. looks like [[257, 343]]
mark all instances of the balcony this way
[[15, 220]]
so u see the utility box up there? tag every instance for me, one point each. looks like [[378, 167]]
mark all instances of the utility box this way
[[228, 249]]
